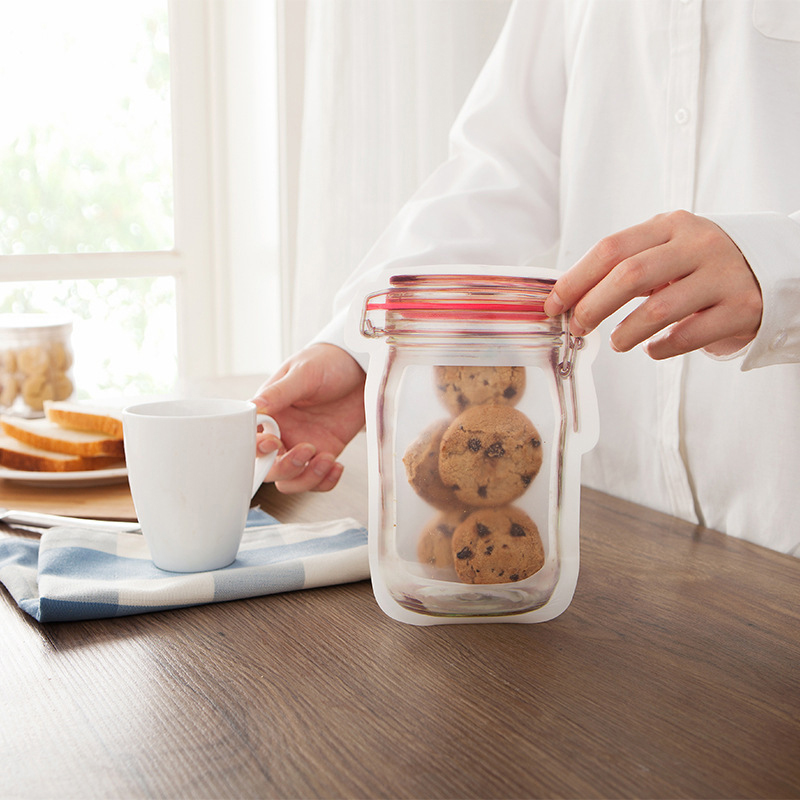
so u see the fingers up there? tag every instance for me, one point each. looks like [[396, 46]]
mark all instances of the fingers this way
[[713, 326], [662, 308], [280, 392], [289, 464], [700, 291], [300, 469], [321, 373], [654, 274], [610, 274], [320, 474], [268, 443], [330, 479], [297, 379]]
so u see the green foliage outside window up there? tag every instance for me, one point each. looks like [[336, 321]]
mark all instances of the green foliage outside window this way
[[63, 193]]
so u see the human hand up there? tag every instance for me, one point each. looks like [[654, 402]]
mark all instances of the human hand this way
[[317, 399], [700, 291]]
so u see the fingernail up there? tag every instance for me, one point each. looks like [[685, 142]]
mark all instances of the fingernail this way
[[302, 455], [576, 329], [335, 473], [611, 341], [553, 305]]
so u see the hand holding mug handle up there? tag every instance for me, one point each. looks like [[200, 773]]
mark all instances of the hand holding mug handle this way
[[264, 462]]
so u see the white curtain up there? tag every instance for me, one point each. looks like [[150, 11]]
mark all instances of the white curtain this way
[[384, 80]]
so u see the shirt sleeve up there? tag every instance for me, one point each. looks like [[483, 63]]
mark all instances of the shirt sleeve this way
[[495, 200], [771, 244]]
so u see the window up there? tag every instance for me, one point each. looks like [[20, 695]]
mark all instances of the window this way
[[138, 184]]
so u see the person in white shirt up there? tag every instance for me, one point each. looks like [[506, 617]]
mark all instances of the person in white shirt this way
[[652, 145]]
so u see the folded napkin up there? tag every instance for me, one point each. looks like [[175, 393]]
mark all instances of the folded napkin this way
[[73, 573]]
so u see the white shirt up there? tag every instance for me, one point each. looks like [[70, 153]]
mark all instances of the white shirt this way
[[591, 116]]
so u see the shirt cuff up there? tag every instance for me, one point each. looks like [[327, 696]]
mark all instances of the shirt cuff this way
[[771, 244]]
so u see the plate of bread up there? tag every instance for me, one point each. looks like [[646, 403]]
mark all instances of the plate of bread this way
[[72, 444]]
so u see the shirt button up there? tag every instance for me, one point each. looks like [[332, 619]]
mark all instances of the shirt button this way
[[779, 341], [681, 116]]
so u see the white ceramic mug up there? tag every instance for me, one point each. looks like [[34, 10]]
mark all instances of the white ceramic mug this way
[[193, 469]]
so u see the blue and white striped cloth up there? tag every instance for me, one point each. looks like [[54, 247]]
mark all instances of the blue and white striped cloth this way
[[72, 573]]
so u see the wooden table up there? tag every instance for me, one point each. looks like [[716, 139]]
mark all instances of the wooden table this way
[[674, 673]]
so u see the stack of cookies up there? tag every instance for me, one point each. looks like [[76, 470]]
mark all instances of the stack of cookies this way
[[35, 374], [472, 466]]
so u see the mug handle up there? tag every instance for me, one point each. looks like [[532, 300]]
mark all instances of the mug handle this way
[[264, 463]]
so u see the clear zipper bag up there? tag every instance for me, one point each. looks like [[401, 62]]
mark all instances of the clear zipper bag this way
[[479, 408]]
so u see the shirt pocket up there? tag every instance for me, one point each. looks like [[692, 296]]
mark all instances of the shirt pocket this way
[[778, 19]]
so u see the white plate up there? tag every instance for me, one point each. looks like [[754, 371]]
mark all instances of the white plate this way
[[66, 480]]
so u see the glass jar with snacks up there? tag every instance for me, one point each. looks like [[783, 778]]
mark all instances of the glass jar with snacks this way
[[35, 362], [479, 408]]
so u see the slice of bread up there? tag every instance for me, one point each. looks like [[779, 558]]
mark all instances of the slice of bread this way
[[85, 417], [47, 435], [15, 454]]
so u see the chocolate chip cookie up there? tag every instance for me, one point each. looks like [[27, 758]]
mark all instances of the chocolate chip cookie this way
[[421, 461], [497, 545], [462, 387], [435, 545], [489, 455]]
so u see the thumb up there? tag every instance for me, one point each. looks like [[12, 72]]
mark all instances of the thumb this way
[[281, 392]]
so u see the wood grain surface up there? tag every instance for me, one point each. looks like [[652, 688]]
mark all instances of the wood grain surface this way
[[112, 501], [673, 673]]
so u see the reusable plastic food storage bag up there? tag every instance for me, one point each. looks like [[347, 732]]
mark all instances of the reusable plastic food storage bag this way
[[479, 408]]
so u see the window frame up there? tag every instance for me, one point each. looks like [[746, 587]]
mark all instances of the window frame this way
[[213, 272]]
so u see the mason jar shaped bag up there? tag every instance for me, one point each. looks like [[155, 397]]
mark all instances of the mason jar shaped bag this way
[[479, 408]]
